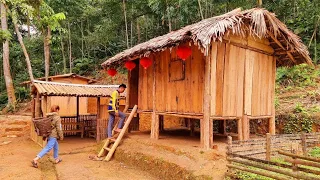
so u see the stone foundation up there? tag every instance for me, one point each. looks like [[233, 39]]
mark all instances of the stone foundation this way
[[14, 126]]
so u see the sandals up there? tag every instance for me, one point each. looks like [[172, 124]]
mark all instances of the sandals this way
[[59, 161], [34, 164]]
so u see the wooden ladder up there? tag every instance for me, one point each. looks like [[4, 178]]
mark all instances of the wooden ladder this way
[[114, 143]]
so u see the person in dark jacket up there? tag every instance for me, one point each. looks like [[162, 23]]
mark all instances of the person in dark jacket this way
[[52, 142]]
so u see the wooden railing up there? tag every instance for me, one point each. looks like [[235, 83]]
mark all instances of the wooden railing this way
[[88, 123], [254, 156]]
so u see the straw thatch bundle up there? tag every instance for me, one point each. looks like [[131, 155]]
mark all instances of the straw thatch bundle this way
[[256, 22]]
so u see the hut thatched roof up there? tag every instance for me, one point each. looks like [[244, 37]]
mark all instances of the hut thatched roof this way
[[257, 22], [77, 90]]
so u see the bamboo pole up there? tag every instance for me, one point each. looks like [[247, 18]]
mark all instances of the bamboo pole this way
[[299, 156], [117, 142], [276, 170], [276, 164], [259, 172], [295, 162]]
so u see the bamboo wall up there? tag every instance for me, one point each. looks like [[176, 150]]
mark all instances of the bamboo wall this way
[[174, 93]]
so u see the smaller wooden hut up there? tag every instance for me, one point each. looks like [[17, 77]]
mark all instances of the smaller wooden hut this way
[[68, 104], [90, 125], [229, 76]]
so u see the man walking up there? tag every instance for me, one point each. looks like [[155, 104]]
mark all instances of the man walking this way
[[113, 109]]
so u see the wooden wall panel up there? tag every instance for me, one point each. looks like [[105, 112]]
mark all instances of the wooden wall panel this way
[[259, 84], [214, 56], [219, 79], [233, 81], [183, 96]]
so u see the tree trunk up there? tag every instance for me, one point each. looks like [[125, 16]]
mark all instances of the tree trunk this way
[[47, 37], [169, 18], [126, 23], [138, 33], [25, 52], [70, 49], [200, 9], [63, 55], [82, 37], [6, 64], [28, 22], [259, 3]]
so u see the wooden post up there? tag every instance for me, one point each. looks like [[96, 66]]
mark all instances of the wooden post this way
[[191, 121], [38, 106], [45, 106], [272, 120], [245, 127], [229, 147], [239, 123], [77, 108], [268, 147], [206, 123], [161, 123], [98, 118], [304, 143], [33, 103], [155, 117], [128, 93]]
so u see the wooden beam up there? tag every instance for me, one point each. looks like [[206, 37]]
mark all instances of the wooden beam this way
[[98, 117], [177, 115], [259, 117], [272, 119], [33, 103], [282, 47], [77, 108], [207, 124], [245, 127], [128, 93], [38, 106], [155, 117], [45, 106]]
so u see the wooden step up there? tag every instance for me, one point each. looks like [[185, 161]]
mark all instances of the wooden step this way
[[108, 149]]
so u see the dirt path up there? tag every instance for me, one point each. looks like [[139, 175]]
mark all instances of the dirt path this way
[[16, 157]]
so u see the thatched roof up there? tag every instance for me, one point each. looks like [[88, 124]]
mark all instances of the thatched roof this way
[[77, 90], [257, 22]]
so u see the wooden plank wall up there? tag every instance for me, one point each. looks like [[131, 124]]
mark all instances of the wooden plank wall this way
[[68, 105], [242, 79], [183, 96], [259, 84], [227, 81]]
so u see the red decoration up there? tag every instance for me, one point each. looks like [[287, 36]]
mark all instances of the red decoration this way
[[112, 72], [145, 62], [184, 52], [130, 65]]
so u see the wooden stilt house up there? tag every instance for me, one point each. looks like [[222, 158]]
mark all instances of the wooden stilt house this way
[[229, 75]]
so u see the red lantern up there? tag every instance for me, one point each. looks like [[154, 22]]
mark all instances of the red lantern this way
[[145, 62], [130, 65], [112, 72], [184, 52]]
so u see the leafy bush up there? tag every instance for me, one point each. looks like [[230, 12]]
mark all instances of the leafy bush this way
[[298, 121], [315, 152], [301, 75]]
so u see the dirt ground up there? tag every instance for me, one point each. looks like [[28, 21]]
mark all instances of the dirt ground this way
[[17, 155], [180, 148]]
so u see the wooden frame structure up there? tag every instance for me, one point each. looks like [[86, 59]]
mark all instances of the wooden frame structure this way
[[41, 90], [229, 76]]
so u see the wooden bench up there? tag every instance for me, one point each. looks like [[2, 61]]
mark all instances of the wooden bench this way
[[73, 125]]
